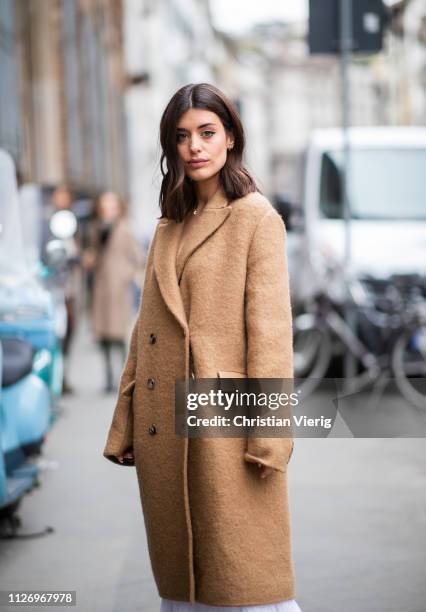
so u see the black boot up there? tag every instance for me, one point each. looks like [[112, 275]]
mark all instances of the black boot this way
[[110, 386]]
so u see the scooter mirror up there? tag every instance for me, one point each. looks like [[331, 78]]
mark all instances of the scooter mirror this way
[[63, 224], [56, 254]]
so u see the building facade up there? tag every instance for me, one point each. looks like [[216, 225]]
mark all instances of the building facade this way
[[168, 44], [61, 107]]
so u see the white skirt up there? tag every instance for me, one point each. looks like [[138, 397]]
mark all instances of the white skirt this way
[[289, 605]]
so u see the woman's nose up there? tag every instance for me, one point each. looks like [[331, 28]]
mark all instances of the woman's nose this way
[[194, 144]]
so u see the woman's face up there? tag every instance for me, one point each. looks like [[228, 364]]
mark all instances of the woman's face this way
[[61, 198], [201, 136], [109, 207]]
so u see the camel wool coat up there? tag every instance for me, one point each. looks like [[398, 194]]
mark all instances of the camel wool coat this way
[[217, 533]]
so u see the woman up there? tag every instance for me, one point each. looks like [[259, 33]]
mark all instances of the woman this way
[[215, 303], [115, 257]]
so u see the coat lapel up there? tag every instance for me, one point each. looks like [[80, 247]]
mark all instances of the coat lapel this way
[[166, 244], [167, 270], [211, 218]]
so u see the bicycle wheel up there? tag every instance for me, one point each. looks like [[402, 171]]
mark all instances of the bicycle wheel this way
[[312, 352], [409, 366]]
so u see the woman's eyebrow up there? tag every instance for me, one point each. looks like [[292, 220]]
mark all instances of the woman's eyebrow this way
[[199, 127]]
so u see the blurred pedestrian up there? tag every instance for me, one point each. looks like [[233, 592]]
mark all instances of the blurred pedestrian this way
[[62, 198], [115, 258], [215, 304]]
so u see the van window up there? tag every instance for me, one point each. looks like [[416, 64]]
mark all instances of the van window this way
[[331, 187], [382, 184]]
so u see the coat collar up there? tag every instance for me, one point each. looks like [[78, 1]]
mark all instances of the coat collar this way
[[167, 270]]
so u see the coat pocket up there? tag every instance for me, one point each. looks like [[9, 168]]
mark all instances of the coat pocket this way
[[128, 389], [231, 374]]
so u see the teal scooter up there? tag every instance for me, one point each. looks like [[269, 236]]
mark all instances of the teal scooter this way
[[24, 423], [28, 337]]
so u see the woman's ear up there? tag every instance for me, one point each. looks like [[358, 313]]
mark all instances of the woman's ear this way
[[229, 140]]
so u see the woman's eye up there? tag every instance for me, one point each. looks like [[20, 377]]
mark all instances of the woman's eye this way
[[206, 133]]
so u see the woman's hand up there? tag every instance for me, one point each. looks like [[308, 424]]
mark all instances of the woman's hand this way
[[127, 457]]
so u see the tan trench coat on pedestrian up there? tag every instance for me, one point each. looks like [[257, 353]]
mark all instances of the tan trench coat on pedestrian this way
[[116, 266], [217, 533]]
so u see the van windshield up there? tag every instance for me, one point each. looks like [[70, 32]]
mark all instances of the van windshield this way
[[385, 184]]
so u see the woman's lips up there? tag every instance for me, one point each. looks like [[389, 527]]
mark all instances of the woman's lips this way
[[198, 164]]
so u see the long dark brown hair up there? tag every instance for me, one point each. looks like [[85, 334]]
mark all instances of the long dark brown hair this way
[[178, 194]]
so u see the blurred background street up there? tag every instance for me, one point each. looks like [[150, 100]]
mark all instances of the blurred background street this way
[[336, 139], [85, 82]]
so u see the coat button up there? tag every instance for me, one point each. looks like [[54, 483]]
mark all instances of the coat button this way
[[151, 383], [152, 430], [152, 338]]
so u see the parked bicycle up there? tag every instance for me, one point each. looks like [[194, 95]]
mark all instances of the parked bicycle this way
[[388, 341]]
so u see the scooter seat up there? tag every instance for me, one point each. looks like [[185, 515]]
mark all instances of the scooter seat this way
[[17, 360]]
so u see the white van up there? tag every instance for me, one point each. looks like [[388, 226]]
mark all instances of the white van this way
[[387, 194]]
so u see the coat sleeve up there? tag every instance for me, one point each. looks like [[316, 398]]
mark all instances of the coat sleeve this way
[[120, 435], [269, 327]]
